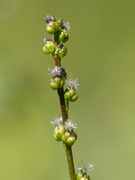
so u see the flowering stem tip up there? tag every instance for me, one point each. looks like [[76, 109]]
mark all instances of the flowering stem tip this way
[[66, 90]]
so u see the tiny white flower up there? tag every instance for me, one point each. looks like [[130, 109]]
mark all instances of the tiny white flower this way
[[55, 72], [57, 121], [70, 126], [85, 167], [72, 84]]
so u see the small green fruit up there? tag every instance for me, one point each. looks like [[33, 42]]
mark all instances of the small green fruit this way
[[52, 27], [54, 85], [74, 98], [67, 96], [72, 92], [45, 50], [58, 132], [65, 136], [86, 177], [62, 52], [63, 36], [69, 93], [79, 176], [48, 48], [71, 140], [62, 82]]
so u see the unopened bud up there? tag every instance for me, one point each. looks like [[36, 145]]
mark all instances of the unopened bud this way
[[63, 35], [52, 27], [48, 48], [58, 132]]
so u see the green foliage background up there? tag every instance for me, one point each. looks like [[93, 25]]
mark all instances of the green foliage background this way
[[101, 53]]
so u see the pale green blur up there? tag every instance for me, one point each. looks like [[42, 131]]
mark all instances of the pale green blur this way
[[101, 54]]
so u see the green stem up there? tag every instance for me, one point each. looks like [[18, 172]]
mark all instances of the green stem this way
[[64, 113], [70, 161]]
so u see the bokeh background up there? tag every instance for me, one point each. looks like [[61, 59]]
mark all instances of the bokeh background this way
[[101, 54]]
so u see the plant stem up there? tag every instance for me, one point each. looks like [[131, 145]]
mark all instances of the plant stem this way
[[68, 149], [64, 113], [70, 162]]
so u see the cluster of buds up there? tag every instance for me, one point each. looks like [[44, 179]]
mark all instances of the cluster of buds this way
[[70, 93], [83, 171], [59, 29], [58, 77], [60, 51], [64, 131]]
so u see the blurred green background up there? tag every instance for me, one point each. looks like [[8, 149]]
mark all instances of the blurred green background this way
[[101, 54]]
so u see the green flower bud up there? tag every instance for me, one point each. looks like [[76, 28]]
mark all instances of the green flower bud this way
[[55, 83], [60, 22], [69, 93], [58, 132], [86, 177], [74, 98], [62, 82], [62, 52], [71, 140], [48, 48], [65, 136], [79, 176], [63, 35], [52, 27], [67, 96]]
